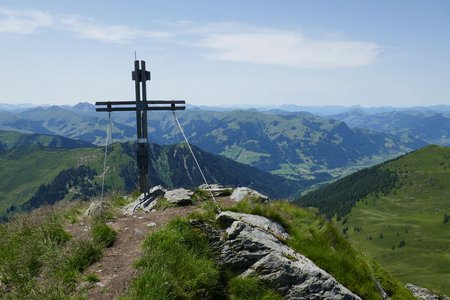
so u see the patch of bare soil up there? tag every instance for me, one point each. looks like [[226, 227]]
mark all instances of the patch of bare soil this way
[[115, 268]]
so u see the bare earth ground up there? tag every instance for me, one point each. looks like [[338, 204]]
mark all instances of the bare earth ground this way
[[115, 268]]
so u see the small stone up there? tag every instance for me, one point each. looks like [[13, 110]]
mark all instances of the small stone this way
[[242, 192], [179, 197], [151, 224]]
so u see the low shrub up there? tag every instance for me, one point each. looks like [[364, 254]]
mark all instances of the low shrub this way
[[103, 234]]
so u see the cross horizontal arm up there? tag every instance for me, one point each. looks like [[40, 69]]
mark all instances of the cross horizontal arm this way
[[140, 105], [134, 102], [134, 108]]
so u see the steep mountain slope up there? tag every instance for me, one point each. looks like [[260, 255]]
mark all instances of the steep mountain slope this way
[[398, 213], [432, 127], [295, 145], [39, 170]]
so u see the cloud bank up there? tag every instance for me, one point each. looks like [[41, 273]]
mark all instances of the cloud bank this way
[[88, 28], [234, 42], [289, 49], [23, 22]]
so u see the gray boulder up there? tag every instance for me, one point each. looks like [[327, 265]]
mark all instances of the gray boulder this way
[[243, 192], [96, 208], [228, 217], [423, 293], [251, 248], [179, 197]]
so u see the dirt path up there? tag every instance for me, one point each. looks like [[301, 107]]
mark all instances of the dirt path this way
[[115, 268]]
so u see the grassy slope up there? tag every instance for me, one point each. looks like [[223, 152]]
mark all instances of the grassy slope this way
[[412, 213], [40, 260], [23, 173]]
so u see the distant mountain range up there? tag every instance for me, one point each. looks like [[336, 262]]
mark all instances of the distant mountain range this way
[[429, 126], [398, 213], [325, 110], [296, 145], [42, 168]]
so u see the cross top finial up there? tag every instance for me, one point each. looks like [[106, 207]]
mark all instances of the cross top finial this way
[[143, 74]]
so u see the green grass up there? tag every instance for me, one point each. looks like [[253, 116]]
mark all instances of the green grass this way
[[177, 264], [40, 260], [103, 234], [250, 288], [412, 213]]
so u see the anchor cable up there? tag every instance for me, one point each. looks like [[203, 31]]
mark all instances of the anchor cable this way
[[196, 162], [108, 133]]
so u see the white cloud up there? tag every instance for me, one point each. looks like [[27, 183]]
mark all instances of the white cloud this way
[[277, 47], [88, 28], [23, 22]]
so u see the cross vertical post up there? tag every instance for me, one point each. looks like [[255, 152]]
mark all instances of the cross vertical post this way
[[141, 105], [140, 76]]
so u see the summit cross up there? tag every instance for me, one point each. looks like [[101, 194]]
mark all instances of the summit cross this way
[[141, 105]]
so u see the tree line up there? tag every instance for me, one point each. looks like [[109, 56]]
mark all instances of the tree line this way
[[339, 197]]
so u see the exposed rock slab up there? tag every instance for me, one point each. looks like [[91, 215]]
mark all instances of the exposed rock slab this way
[[251, 248], [228, 217], [423, 293], [243, 192], [179, 197]]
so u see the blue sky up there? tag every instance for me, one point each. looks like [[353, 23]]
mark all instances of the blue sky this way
[[244, 52]]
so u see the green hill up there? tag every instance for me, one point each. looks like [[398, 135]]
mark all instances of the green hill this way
[[397, 213], [34, 173]]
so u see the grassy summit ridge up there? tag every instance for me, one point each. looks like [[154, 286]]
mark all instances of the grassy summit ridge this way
[[164, 275]]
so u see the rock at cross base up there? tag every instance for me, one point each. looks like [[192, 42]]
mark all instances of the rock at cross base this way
[[179, 197], [242, 192], [146, 202]]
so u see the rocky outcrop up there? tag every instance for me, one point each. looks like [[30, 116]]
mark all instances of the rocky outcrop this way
[[243, 192], [252, 246], [423, 293], [179, 197], [227, 218]]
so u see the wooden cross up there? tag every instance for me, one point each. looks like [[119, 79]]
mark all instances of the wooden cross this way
[[141, 106]]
